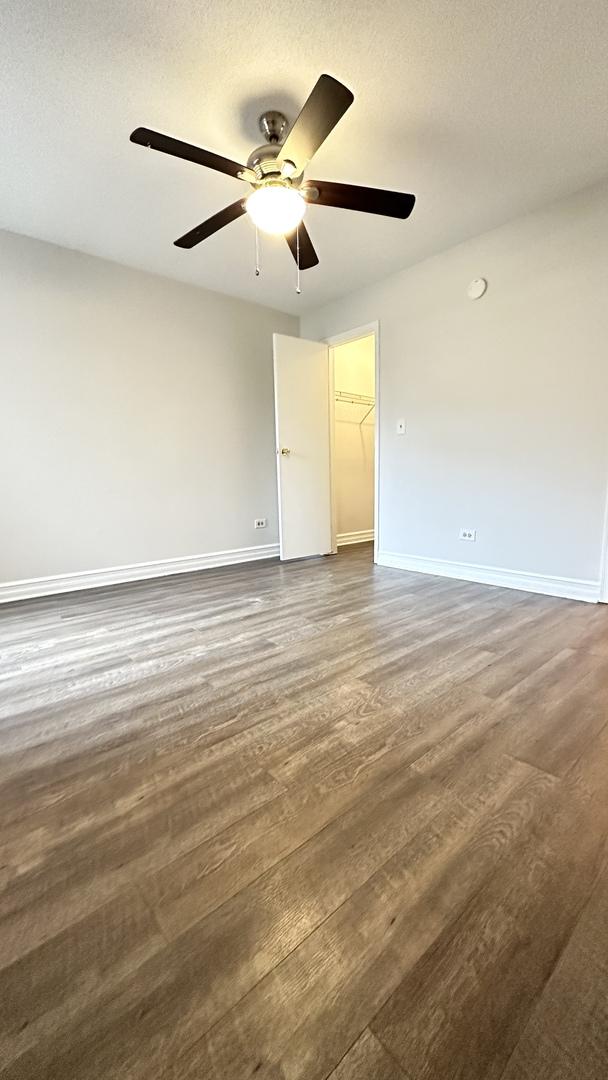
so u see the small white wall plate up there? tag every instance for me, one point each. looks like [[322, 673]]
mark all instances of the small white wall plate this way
[[476, 288]]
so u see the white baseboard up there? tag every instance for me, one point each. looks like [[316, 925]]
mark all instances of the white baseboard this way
[[361, 537], [93, 579], [568, 588]]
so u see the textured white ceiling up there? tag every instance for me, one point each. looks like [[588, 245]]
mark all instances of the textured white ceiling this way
[[484, 109]]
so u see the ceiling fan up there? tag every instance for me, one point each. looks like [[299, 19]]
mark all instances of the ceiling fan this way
[[280, 196]]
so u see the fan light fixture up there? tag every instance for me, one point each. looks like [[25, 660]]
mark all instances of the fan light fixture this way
[[276, 208]]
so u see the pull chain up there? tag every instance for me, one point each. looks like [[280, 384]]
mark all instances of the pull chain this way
[[257, 253], [298, 289]]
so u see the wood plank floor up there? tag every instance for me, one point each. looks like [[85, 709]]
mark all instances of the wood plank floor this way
[[317, 820]]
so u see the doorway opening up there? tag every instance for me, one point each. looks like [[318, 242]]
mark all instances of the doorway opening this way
[[352, 367]]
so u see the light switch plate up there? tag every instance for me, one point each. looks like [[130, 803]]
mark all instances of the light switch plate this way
[[400, 427]]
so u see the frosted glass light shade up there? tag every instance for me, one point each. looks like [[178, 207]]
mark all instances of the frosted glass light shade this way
[[276, 208]]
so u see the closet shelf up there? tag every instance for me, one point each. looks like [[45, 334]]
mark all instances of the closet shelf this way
[[356, 399]]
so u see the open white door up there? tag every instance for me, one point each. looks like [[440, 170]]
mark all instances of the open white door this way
[[301, 396]]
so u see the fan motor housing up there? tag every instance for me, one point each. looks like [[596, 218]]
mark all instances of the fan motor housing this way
[[263, 160]]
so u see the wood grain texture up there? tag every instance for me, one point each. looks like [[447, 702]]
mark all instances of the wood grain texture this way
[[494, 960], [367, 1059], [303, 821], [566, 1037]]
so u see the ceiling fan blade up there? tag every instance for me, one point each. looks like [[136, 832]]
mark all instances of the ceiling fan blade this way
[[394, 204], [308, 255], [326, 104], [156, 141], [211, 225]]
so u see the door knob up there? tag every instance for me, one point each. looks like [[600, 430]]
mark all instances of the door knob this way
[[285, 451]]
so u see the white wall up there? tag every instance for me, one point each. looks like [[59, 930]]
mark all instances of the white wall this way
[[506, 399], [353, 463], [136, 415]]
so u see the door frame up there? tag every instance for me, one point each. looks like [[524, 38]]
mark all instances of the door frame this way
[[367, 330]]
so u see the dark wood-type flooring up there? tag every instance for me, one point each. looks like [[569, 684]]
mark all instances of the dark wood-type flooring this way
[[295, 822]]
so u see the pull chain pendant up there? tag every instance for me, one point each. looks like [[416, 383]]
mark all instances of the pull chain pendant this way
[[257, 253], [298, 289]]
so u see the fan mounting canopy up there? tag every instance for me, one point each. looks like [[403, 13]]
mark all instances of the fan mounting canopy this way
[[273, 125]]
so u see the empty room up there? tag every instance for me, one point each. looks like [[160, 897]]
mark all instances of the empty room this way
[[303, 540]]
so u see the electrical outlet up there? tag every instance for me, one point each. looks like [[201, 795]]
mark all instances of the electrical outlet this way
[[467, 534], [260, 523]]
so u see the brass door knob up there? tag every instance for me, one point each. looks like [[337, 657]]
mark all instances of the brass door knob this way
[[285, 451]]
